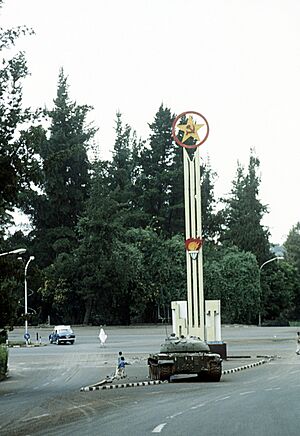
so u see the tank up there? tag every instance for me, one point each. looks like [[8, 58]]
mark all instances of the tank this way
[[185, 355]]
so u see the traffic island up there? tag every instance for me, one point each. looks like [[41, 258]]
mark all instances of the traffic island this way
[[242, 368], [19, 344], [110, 383], [122, 385]]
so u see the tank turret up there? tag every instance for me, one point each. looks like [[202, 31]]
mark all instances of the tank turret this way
[[190, 344]]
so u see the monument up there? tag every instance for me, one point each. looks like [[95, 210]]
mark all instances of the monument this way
[[194, 317]]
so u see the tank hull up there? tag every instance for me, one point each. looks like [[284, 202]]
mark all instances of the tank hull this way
[[207, 366]]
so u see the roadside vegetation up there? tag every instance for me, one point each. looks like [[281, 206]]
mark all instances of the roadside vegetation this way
[[3, 361], [108, 235]]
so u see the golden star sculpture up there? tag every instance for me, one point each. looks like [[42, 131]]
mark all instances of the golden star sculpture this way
[[190, 129]]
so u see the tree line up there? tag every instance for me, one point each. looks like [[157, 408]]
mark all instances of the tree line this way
[[108, 235]]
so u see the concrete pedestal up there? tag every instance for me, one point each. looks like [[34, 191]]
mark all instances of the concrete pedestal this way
[[219, 348]]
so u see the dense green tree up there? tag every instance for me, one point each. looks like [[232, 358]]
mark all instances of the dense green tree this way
[[20, 136], [121, 165], [56, 210], [122, 171], [233, 278], [154, 181], [10, 290], [244, 212], [212, 219], [292, 246], [279, 293], [18, 128], [72, 280], [175, 203], [161, 277], [65, 161]]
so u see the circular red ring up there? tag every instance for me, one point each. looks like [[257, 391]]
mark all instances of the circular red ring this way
[[174, 126]]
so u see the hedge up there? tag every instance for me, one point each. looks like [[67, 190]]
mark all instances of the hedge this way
[[3, 361]]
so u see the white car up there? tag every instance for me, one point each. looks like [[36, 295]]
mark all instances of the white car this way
[[62, 334]]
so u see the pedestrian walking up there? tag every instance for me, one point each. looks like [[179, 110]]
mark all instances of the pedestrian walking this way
[[121, 368], [298, 343], [102, 337]]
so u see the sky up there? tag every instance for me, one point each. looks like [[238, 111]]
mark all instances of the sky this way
[[237, 62]]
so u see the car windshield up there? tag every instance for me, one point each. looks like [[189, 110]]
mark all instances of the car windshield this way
[[65, 331]]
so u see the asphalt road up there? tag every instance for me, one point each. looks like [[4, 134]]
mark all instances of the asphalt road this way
[[42, 394]]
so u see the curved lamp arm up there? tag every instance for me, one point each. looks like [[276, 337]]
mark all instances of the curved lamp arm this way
[[271, 260]]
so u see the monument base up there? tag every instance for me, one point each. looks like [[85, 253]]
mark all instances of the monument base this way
[[219, 348]]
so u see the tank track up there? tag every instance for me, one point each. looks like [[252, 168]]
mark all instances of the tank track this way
[[160, 372], [213, 375]]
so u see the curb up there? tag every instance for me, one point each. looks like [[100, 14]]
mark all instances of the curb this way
[[158, 382], [123, 385], [242, 368]]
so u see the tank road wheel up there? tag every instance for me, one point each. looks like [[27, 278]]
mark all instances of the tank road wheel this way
[[153, 372], [164, 372], [203, 376], [215, 373]]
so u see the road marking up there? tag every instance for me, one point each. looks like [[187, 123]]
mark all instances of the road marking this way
[[175, 414], [197, 407], [159, 428], [273, 389], [222, 399], [36, 417], [78, 407], [246, 393]]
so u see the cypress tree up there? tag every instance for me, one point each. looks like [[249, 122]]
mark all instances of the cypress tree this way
[[154, 183], [66, 175], [244, 212]]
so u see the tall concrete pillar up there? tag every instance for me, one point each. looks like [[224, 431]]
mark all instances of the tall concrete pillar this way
[[193, 231]]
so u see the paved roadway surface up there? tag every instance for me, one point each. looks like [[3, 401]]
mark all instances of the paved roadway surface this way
[[42, 394]]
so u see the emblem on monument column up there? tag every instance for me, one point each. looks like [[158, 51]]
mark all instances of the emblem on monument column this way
[[192, 246], [190, 129]]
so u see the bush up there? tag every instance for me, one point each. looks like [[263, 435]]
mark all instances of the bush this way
[[3, 362], [278, 322], [3, 336]]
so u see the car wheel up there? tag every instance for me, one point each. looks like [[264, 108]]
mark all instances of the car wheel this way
[[72, 342]]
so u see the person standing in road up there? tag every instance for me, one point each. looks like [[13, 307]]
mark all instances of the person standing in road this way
[[298, 343], [118, 363], [102, 336], [119, 358]]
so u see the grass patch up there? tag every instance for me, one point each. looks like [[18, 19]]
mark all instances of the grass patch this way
[[295, 323], [14, 343]]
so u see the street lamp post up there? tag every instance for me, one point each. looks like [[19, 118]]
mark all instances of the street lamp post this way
[[25, 291], [17, 251], [260, 268]]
